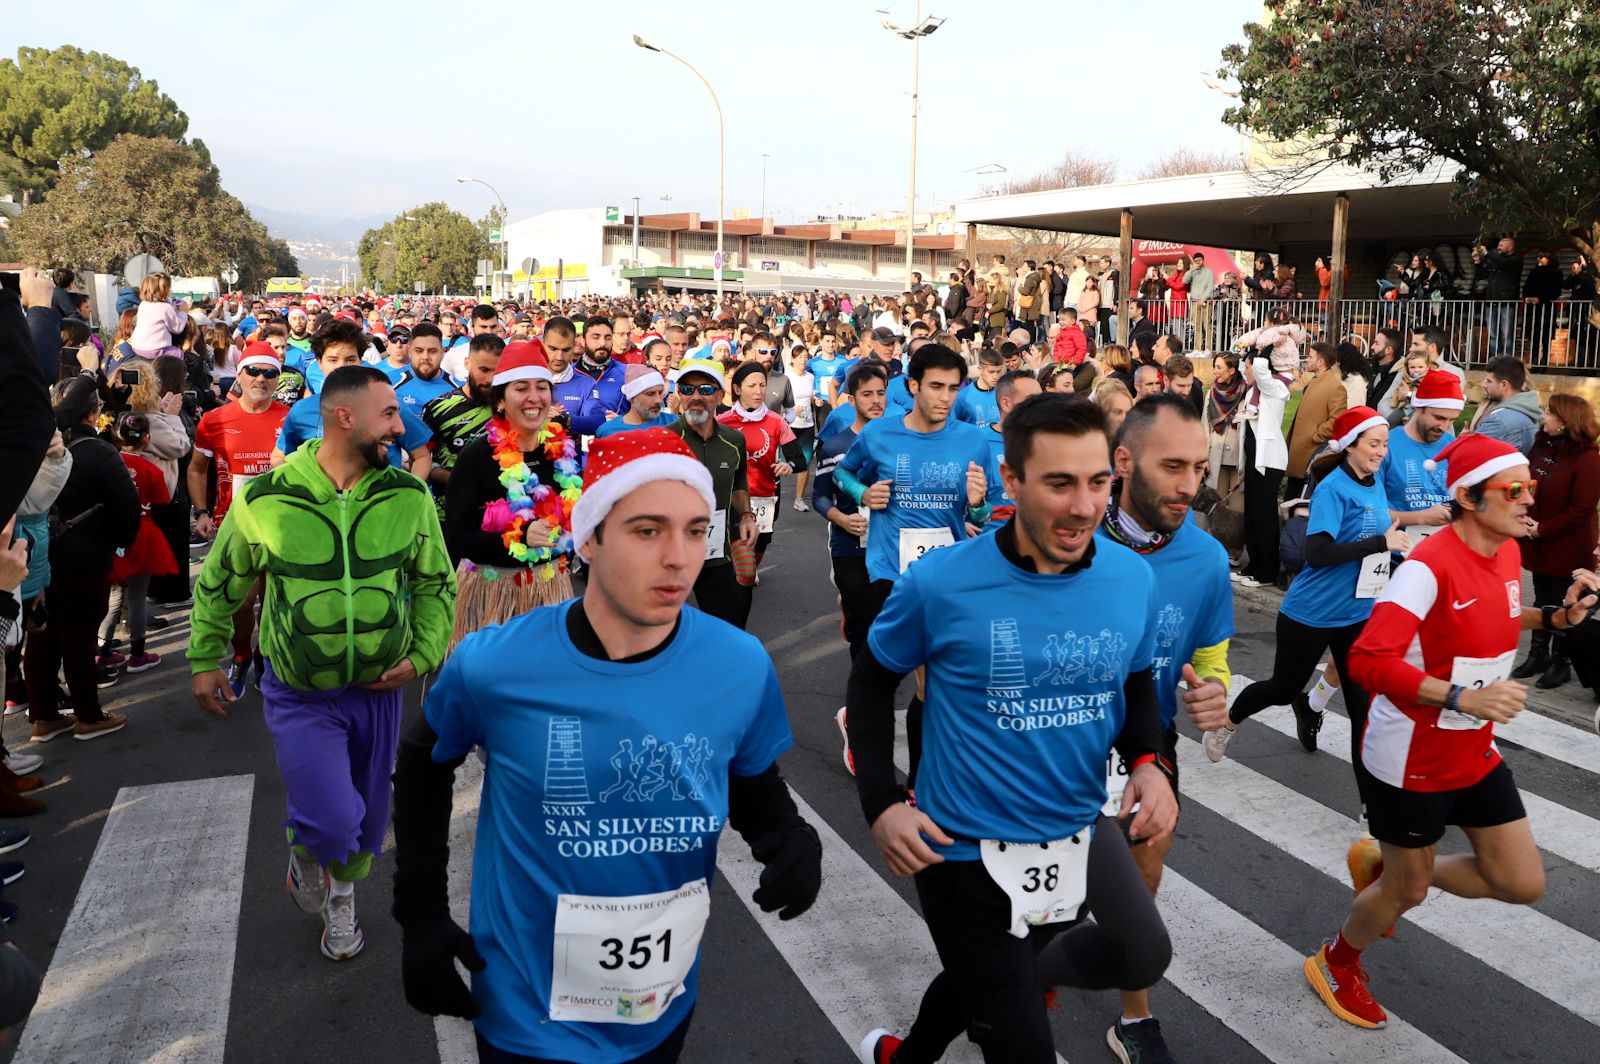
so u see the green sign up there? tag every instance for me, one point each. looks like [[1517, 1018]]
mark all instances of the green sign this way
[[494, 234], [613, 214]]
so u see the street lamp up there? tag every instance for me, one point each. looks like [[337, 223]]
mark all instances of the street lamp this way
[[505, 217], [647, 46], [914, 33]]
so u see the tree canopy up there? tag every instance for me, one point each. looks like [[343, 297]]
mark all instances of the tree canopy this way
[[432, 243], [56, 104]]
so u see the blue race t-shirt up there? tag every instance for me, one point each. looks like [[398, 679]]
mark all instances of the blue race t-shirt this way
[[826, 496], [928, 471], [616, 425], [393, 372], [1001, 505], [897, 396], [604, 779], [824, 370], [1195, 610], [1409, 485], [416, 393], [976, 406], [1024, 682], [304, 422], [1349, 511], [842, 417]]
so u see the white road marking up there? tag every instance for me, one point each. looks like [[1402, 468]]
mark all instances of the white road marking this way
[[457, 1045]]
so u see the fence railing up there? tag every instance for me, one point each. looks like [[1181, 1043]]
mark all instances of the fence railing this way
[[1553, 338]]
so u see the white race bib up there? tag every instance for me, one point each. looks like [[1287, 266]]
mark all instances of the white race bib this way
[[1418, 533], [1116, 781], [1374, 575], [866, 515], [717, 535], [240, 481], [766, 511], [623, 960], [915, 542], [1475, 674], [1046, 882]]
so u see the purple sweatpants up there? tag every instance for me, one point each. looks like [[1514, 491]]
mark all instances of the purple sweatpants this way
[[336, 753]]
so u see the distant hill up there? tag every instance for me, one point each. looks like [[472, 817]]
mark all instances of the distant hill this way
[[315, 228]]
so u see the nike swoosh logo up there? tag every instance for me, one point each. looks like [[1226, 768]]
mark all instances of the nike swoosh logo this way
[[1463, 605]]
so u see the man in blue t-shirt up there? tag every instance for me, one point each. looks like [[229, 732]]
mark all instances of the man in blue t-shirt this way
[[646, 392], [1417, 495], [424, 382], [596, 844], [1160, 460], [847, 538], [1011, 388], [570, 388], [827, 370], [977, 404], [1039, 643]]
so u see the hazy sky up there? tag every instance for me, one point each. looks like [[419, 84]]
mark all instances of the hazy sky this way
[[357, 108]]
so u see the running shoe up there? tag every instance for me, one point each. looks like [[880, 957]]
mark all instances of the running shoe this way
[[109, 660], [844, 732], [157, 624], [8, 912], [307, 881], [1344, 991], [802, 505], [13, 708], [1245, 580], [45, 730], [1216, 743], [238, 676], [85, 730], [878, 1047], [107, 676], [258, 666], [1139, 1043], [11, 871], [1307, 723], [1365, 861], [21, 763], [143, 663], [13, 838], [341, 931]]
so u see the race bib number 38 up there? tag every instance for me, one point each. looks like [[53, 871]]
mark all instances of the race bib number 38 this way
[[1046, 882], [624, 959]]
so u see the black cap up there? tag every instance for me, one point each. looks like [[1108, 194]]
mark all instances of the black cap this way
[[885, 335], [399, 334]]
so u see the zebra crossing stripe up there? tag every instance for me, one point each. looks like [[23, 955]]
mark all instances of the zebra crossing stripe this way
[[125, 982], [1550, 737], [1521, 943], [1564, 832], [457, 1044]]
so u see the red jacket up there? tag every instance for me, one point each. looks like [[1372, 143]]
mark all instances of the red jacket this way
[[1071, 346], [1564, 505]]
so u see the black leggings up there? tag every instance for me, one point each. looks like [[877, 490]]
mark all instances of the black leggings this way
[[861, 598], [993, 984], [718, 593], [1300, 647], [668, 1052]]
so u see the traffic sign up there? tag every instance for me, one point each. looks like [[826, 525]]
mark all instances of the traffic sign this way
[[613, 214], [139, 267], [417, 286], [716, 261], [494, 235], [230, 273], [530, 265]]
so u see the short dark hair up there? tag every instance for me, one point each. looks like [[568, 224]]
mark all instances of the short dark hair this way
[[1008, 382], [345, 382], [484, 312], [864, 372], [1180, 366], [1174, 344], [1327, 352], [1392, 335], [486, 343], [592, 321], [745, 371], [1475, 496], [1052, 412], [559, 325], [427, 328], [1509, 368], [935, 356], [1433, 335], [990, 357], [1143, 416], [339, 331]]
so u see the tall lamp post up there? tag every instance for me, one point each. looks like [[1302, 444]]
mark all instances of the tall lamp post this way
[[647, 46], [505, 217], [913, 33]]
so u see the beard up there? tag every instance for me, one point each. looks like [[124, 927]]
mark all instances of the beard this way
[[374, 450], [697, 416], [1042, 534], [1151, 508], [479, 393]]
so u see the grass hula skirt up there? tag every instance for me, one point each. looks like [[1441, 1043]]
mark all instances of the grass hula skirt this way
[[488, 594]]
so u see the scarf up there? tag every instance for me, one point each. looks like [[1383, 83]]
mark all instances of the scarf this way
[[1226, 400], [752, 416], [1125, 530], [565, 375], [593, 369]]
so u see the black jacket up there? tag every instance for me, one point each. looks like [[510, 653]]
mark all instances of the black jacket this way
[[98, 477], [1502, 274], [1543, 283], [26, 428]]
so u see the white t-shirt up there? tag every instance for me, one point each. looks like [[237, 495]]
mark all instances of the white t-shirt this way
[[804, 414], [454, 361]]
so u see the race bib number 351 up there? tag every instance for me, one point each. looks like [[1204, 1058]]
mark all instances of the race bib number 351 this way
[[624, 959]]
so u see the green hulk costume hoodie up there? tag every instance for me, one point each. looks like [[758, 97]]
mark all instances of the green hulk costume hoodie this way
[[355, 581]]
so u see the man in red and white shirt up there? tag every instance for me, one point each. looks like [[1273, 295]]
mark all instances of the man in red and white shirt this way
[[1437, 655]]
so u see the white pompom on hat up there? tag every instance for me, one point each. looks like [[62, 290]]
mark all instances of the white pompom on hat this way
[[1349, 426]]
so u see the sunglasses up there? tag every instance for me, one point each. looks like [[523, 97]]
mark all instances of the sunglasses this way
[[707, 390], [766, 350], [263, 371], [1514, 488]]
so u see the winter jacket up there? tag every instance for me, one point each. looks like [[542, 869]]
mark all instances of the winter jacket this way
[[26, 428], [1265, 418], [33, 522], [1568, 474], [1514, 421], [356, 580], [1543, 284], [1033, 287], [1502, 275], [98, 482], [169, 442]]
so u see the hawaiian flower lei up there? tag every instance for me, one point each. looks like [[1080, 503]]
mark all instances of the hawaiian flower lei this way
[[526, 499]]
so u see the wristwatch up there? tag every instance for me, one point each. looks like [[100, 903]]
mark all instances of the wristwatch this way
[[1548, 614], [195, 513]]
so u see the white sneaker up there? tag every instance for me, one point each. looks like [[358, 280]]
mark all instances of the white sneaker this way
[[1216, 743], [1250, 581], [341, 931], [307, 882], [23, 764], [844, 733]]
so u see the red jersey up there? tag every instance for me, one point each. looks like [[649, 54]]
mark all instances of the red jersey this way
[[240, 443], [631, 357], [762, 442], [1453, 614]]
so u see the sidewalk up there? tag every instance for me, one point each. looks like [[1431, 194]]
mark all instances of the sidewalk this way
[[1571, 703]]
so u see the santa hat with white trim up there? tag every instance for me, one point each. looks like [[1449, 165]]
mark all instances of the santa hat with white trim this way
[[1440, 389], [621, 463], [1473, 459], [1348, 426], [641, 379], [524, 360], [259, 353]]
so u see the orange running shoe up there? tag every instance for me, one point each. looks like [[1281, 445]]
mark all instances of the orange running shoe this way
[[1365, 861], [1344, 991]]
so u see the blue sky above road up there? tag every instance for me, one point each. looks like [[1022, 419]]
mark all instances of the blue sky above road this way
[[357, 108]]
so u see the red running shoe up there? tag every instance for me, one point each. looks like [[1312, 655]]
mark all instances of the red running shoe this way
[[1344, 991], [878, 1047]]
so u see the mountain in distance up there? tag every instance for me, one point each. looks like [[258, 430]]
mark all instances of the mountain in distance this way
[[321, 244]]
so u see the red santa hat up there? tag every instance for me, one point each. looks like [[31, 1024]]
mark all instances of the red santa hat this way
[[628, 460], [1439, 388], [1473, 459], [524, 360], [259, 353], [641, 379], [1349, 426]]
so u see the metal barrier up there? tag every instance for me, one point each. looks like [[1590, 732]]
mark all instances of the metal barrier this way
[[1553, 338]]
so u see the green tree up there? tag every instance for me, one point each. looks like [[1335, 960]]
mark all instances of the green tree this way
[[56, 104], [431, 243], [1509, 91]]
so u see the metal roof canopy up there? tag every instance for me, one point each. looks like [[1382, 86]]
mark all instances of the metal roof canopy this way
[[1244, 209]]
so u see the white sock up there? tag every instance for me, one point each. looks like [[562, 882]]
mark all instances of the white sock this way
[[342, 887], [1321, 693], [1125, 1022]]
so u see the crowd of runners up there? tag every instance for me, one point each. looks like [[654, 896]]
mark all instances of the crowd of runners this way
[[511, 504]]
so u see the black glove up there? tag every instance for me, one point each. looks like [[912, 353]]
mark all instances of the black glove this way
[[792, 877], [428, 955]]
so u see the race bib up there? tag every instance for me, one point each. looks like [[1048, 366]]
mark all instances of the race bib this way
[[766, 511], [1374, 575], [623, 960], [717, 535], [866, 515], [1116, 780], [915, 542], [1475, 674], [1046, 882], [1418, 533]]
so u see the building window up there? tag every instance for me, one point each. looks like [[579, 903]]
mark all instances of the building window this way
[[837, 251]]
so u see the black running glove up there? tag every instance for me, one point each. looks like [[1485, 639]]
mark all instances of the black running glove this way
[[792, 876], [428, 955]]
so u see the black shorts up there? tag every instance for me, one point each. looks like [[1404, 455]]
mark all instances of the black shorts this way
[[1414, 819]]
